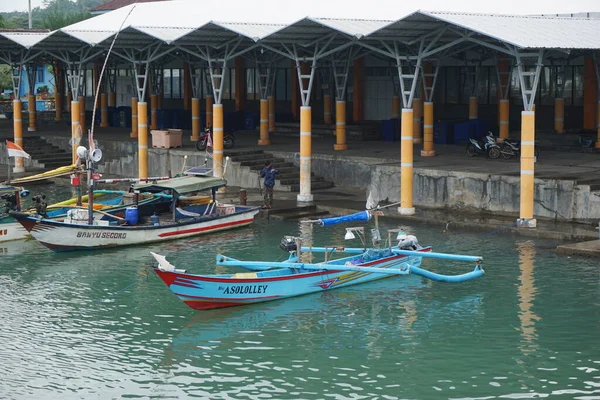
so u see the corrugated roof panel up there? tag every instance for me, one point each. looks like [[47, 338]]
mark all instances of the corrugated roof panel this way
[[255, 31], [530, 31], [89, 37], [165, 34], [25, 39], [354, 27]]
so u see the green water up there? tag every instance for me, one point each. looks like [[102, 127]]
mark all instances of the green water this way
[[70, 327]]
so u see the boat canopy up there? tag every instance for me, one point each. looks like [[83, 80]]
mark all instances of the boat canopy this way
[[9, 189], [184, 184], [359, 216]]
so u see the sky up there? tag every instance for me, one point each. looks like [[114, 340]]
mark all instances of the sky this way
[[284, 10]]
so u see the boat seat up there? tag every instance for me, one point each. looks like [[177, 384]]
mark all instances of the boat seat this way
[[245, 275]]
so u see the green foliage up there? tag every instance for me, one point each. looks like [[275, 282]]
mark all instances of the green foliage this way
[[55, 14], [43, 89], [2, 22], [5, 78]]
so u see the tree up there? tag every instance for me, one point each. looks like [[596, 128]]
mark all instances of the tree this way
[[2, 23], [5, 78], [61, 13]]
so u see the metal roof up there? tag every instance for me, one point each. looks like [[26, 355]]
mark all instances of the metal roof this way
[[19, 40], [185, 184]]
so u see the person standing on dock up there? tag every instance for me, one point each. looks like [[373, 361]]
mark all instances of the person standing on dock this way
[[269, 173]]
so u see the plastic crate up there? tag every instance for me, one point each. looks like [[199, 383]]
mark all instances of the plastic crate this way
[[166, 139]]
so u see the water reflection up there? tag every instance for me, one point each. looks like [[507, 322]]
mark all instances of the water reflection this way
[[526, 296]]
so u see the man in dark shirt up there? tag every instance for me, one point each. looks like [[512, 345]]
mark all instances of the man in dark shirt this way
[[269, 173]]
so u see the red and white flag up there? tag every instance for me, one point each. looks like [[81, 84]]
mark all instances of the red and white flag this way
[[15, 150]]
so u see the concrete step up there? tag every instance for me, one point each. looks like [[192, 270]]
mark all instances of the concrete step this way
[[261, 162], [277, 166], [313, 186], [251, 157], [242, 153], [296, 181]]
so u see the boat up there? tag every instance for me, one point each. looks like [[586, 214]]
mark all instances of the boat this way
[[79, 234], [273, 280]]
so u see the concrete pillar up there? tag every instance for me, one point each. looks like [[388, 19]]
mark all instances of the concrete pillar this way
[[76, 131], [598, 127], [57, 104], [340, 125], [417, 113], [142, 139], [395, 107], [504, 115], [18, 128], [271, 113], [406, 163], [473, 107], [153, 111], [134, 117], [32, 113], [218, 141], [559, 115], [82, 114], [527, 168], [264, 123], [327, 109], [195, 119], [428, 150], [209, 110], [103, 110], [112, 99], [305, 154]]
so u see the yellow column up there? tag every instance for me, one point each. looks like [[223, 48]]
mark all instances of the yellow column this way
[[406, 163], [218, 141], [134, 117], [264, 123], [142, 111], [32, 113], [473, 105], [305, 154], [598, 126], [18, 128], [327, 109], [559, 115], [527, 169], [209, 110], [504, 113], [82, 114], [395, 107], [69, 101], [57, 106], [153, 112], [417, 113], [271, 113], [112, 99], [75, 129], [340, 126], [195, 119], [103, 110], [428, 128]]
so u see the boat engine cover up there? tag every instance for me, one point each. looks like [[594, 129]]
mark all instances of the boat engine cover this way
[[288, 243]]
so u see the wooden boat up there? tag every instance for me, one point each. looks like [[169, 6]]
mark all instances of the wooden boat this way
[[277, 280], [70, 236]]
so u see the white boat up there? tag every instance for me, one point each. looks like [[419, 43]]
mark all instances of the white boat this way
[[77, 234]]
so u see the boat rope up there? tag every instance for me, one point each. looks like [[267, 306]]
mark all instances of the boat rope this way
[[145, 277], [478, 237]]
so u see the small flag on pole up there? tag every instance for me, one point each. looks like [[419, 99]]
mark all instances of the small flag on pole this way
[[15, 150]]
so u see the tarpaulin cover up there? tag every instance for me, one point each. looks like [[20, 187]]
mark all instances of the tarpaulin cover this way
[[359, 216]]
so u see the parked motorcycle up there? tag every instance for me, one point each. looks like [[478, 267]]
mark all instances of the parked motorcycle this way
[[512, 148], [486, 145], [206, 136]]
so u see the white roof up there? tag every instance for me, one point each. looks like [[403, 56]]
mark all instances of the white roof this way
[[17, 40]]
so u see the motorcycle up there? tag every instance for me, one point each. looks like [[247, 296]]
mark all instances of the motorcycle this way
[[512, 148], [487, 146], [207, 137]]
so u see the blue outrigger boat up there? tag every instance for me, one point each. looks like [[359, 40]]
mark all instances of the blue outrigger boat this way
[[277, 280]]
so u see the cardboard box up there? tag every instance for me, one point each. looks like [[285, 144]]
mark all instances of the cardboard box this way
[[166, 139]]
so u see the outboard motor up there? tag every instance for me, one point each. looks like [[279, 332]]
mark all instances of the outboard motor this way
[[408, 242], [10, 202], [288, 243], [40, 205]]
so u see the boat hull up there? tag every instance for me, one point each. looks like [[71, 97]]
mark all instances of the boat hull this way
[[61, 236], [10, 231], [203, 292]]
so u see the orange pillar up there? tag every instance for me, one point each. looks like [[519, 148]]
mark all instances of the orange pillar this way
[[527, 169], [76, 131], [428, 150], [504, 115], [590, 95], [195, 119], [473, 107], [358, 96], [271, 113], [417, 112], [406, 163], [18, 128], [134, 117], [395, 107], [264, 123], [103, 110], [142, 139], [218, 140], [240, 82], [209, 110], [340, 126], [305, 154], [327, 109], [32, 113], [559, 115], [82, 114]]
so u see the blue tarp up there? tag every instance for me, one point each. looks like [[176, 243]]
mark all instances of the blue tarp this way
[[359, 216]]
